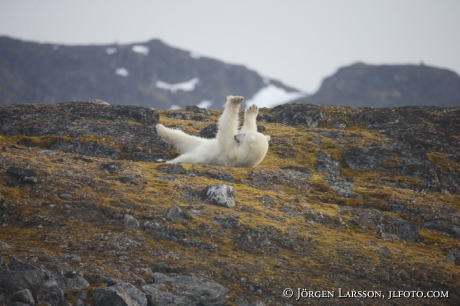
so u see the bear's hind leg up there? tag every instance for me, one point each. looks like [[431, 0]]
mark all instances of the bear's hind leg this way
[[250, 117], [178, 139]]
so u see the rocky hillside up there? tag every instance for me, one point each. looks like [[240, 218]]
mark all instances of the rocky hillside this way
[[348, 203], [149, 74], [362, 85]]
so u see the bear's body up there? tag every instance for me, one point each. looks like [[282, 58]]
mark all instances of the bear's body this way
[[246, 148]]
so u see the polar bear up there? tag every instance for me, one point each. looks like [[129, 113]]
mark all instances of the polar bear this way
[[232, 148]]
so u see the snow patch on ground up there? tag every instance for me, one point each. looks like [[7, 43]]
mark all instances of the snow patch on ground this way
[[122, 71], [185, 86], [204, 104], [141, 49], [271, 96], [174, 106], [111, 50]]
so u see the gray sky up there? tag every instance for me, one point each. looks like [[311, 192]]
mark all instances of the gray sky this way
[[298, 42]]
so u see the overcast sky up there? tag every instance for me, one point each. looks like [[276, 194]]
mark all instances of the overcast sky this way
[[298, 42]]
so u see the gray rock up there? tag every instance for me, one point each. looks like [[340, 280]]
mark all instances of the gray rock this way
[[23, 296], [227, 222], [39, 281], [366, 159], [175, 236], [172, 169], [159, 297], [81, 295], [75, 282], [325, 163], [113, 167], [210, 131], [66, 196], [187, 289], [78, 302], [215, 173], [4, 245], [114, 281], [341, 186], [89, 148], [119, 295], [443, 226], [175, 213], [221, 195], [299, 114], [129, 222], [126, 180], [255, 239], [146, 157], [407, 230], [422, 170], [71, 257], [22, 175]]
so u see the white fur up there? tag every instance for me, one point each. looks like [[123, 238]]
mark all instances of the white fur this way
[[232, 148]]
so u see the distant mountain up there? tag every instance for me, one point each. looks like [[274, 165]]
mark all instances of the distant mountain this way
[[361, 85], [149, 74]]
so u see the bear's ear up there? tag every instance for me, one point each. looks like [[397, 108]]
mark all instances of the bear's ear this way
[[268, 137]]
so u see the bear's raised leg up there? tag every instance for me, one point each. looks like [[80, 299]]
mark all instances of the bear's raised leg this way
[[178, 139], [228, 122], [250, 116]]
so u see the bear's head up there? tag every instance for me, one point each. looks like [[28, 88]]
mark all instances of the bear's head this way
[[253, 147]]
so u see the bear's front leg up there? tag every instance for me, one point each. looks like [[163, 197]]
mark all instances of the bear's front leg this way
[[228, 122], [250, 118]]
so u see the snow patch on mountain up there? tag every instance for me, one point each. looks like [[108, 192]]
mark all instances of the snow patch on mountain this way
[[141, 49], [271, 96], [122, 71], [204, 104], [185, 86], [111, 50]]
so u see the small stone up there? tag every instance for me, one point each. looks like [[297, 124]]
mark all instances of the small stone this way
[[22, 175], [4, 245], [119, 294], [113, 167], [221, 195], [172, 169], [255, 239], [407, 230], [71, 257], [78, 302], [227, 222], [81, 295], [66, 196], [23, 296], [175, 213], [130, 222]]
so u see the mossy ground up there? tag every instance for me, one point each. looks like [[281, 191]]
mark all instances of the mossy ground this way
[[38, 224]]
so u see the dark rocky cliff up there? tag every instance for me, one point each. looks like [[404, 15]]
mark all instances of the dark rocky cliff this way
[[149, 74], [361, 85], [351, 199]]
